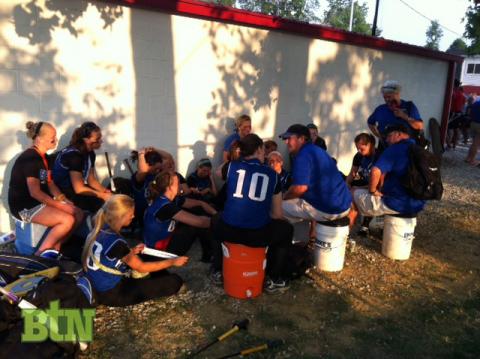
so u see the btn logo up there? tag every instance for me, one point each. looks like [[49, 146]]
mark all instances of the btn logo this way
[[60, 325]]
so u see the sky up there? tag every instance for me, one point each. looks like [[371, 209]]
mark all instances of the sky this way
[[400, 23]]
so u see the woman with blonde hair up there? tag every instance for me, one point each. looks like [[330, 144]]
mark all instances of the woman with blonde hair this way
[[243, 126], [32, 195], [108, 260]]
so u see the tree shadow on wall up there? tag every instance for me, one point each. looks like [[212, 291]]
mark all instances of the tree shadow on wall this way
[[41, 93], [274, 75]]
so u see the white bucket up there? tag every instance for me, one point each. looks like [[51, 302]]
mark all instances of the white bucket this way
[[330, 246], [398, 235]]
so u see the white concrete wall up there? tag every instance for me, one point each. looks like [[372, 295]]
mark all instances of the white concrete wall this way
[[148, 78], [471, 79]]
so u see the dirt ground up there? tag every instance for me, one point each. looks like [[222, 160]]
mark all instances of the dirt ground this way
[[427, 306]]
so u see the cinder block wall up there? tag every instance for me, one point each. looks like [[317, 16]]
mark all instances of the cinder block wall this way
[[149, 78]]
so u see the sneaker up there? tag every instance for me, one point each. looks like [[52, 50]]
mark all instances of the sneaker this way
[[363, 231], [276, 286], [50, 254], [216, 277]]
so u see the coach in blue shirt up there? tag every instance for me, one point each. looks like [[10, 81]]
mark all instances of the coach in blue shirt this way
[[391, 197], [318, 191], [394, 111]]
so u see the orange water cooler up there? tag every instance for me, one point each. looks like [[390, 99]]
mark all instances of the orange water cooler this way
[[243, 270]]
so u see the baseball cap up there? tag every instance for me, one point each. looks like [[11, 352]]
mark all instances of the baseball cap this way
[[313, 126], [297, 129], [391, 86], [396, 128]]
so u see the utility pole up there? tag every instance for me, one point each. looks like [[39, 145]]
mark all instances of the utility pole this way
[[352, 2], [374, 26]]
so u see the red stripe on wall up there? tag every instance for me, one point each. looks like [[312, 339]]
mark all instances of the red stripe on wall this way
[[207, 11]]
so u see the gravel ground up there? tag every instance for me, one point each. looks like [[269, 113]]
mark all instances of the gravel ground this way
[[427, 306]]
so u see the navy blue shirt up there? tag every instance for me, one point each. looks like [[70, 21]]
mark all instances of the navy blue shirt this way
[[140, 193], [159, 223], [364, 164], [71, 159], [285, 180], [109, 248], [383, 116], [250, 187], [327, 191], [394, 163], [197, 182], [230, 140]]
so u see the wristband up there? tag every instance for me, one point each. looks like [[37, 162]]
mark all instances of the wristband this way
[[60, 197]]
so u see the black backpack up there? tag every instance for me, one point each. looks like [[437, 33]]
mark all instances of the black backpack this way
[[423, 179], [417, 135], [13, 266]]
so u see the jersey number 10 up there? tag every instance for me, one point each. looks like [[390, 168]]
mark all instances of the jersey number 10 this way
[[252, 189]]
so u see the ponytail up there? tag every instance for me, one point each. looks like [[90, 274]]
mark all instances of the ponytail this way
[[159, 185], [111, 213], [99, 220]]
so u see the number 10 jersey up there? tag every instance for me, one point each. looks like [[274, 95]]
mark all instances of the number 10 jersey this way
[[250, 188]]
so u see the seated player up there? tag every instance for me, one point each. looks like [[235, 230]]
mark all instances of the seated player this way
[[253, 213], [33, 197], [74, 169], [275, 161], [201, 183], [108, 260], [168, 225]]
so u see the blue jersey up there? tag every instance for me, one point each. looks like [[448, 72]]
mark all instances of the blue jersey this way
[[198, 182], [327, 191], [155, 230], [102, 250], [394, 163], [249, 189], [140, 193], [70, 159], [364, 164], [383, 116], [230, 140]]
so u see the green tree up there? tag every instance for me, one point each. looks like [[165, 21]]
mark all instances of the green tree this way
[[338, 15], [434, 34], [301, 10], [230, 3], [472, 27], [458, 47]]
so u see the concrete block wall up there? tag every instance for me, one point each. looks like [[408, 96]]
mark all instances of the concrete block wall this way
[[150, 78]]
